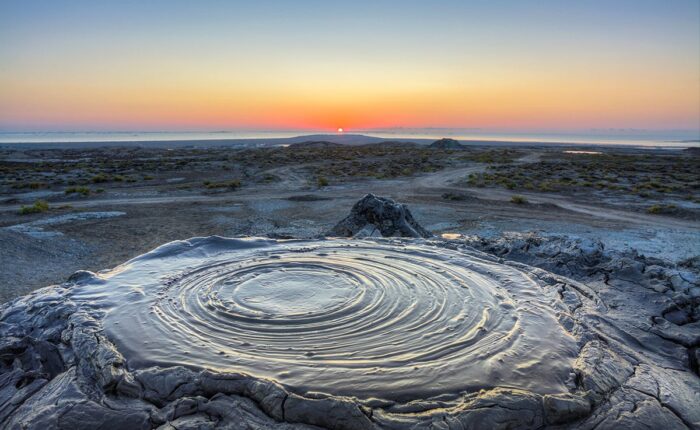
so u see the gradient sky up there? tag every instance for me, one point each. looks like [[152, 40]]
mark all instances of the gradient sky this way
[[211, 65]]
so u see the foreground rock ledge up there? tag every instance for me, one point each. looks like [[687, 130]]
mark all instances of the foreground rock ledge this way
[[635, 320]]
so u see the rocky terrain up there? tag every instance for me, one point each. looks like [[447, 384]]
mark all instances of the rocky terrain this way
[[91, 207], [632, 322]]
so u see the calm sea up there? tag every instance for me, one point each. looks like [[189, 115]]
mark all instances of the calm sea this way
[[615, 137]]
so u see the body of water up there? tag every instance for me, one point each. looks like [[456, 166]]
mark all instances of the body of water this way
[[596, 137]]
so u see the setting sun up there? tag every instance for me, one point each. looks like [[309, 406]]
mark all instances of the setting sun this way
[[340, 129]]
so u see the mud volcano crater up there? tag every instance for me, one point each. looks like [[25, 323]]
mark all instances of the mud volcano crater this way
[[353, 334], [368, 319], [518, 332]]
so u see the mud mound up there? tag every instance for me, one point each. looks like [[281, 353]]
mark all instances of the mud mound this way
[[378, 216]]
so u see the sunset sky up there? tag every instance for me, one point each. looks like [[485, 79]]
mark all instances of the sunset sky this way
[[186, 65]]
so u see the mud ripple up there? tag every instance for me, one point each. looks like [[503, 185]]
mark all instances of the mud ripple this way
[[362, 318]]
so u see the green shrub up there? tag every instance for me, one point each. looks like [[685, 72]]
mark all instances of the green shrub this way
[[233, 184], [659, 209], [321, 181], [519, 200], [37, 207], [455, 196], [78, 190], [100, 177]]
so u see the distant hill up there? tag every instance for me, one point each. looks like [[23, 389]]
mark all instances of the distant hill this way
[[315, 144], [329, 144], [344, 139], [447, 143], [394, 143]]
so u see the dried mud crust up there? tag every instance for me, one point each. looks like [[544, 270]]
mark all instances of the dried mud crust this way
[[379, 216], [635, 366]]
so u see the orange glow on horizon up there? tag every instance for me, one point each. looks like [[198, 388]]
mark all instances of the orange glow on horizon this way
[[527, 100]]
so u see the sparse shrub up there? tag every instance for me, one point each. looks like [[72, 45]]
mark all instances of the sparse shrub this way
[[455, 196], [99, 178], [660, 209], [233, 184], [78, 190], [655, 209], [37, 207], [321, 181], [518, 200], [30, 185]]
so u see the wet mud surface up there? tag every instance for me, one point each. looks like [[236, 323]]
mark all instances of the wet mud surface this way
[[623, 328], [346, 317]]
